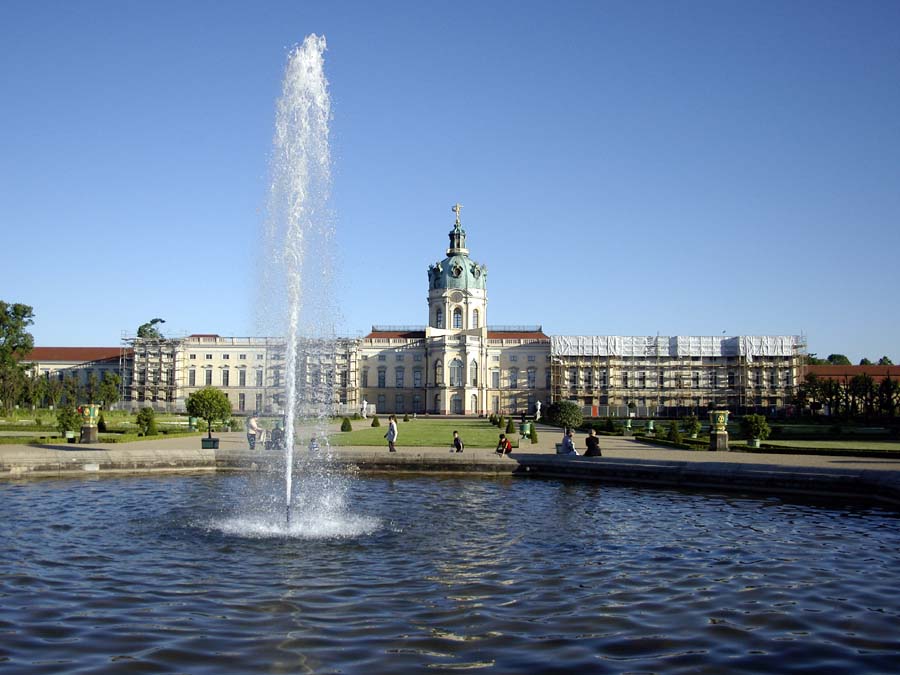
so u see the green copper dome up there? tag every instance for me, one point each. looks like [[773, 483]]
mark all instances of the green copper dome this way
[[457, 270]]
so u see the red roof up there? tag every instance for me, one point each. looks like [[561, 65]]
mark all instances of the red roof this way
[[847, 373], [516, 335], [73, 354]]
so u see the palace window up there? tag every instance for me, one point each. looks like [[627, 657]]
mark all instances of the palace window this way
[[259, 378], [439, 318], [532, 372], [225, 377], [242, 378], [208, 377], [513, 378], [456, 373], [399, 374], [365, 377], [438, 373], [495, 379], [473, 373], [457, 318], [382, 377], [475, 318], [192, 378], [417, 377]]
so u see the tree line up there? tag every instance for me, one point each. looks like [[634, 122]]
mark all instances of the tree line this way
[[842, 360], [859, 397], [22, 385]]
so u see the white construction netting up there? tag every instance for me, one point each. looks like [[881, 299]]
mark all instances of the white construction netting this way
[[747, 346]]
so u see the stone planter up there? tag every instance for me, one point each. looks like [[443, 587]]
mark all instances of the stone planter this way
[[753, 443], [209, 443]]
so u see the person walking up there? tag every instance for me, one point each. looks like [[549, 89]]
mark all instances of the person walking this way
[[391, 434], [457, 445], [593, 445], [253, 431]]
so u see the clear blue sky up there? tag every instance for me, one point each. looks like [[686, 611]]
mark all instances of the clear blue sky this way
[[627, 168]]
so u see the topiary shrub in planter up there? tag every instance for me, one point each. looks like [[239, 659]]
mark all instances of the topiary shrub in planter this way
[[406, 417], [376, 422], [692, 425], [674, 433], [67, 419], [345, 424], [209, 404], [101, 424], [533, 435], [501, 422], [756, 428], [146, 422], [510, 426], [564, 414]]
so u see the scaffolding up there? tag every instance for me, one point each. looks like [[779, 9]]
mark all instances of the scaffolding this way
[[151, 372], [652, 376]]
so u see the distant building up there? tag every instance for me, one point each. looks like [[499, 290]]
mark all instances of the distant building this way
[[82, 362]]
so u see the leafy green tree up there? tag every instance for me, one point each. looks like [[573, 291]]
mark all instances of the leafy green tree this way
[[813, 360], [92, 388], [564, 414], [865, 362], [72, 388], [838, 360], [863, 393], [209, 404], [692, 425], [149, 330], [109, 389], [35, 388], [146, 421], [15, 344], [54, 390], [888, 397], [885, 361]]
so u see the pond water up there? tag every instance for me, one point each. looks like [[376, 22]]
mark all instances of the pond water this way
[[170, 574]]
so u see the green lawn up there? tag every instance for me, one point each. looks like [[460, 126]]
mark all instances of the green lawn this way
[[420, 432], [886, 446]]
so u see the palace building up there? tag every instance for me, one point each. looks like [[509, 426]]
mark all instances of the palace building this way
[[459, 364]]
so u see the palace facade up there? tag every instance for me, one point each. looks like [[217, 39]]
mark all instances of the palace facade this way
[[459, 364]]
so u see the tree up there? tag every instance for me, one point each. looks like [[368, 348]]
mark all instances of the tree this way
[[888, 397], [71, 388], [812, 360], [863, 393], [674, 433], [885, 361], [209, 404], [15, 343], [92, 389], [109, 389], [146, 421], [564, 414], [692, 425], [53, 390], [838, 360], [865, 362], [149, 330]]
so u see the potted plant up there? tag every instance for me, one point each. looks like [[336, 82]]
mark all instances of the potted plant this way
[[692, 425], [209, 404], [755, 428]]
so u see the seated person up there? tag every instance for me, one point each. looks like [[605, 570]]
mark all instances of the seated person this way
[[593, 445], [504, 447], [568, 445], [276, 437]]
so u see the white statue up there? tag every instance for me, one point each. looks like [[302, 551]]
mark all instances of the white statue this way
[[537, 411], [365, 407]]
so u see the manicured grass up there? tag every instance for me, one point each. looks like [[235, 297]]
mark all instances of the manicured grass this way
[[434, 433], [885, 446]]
